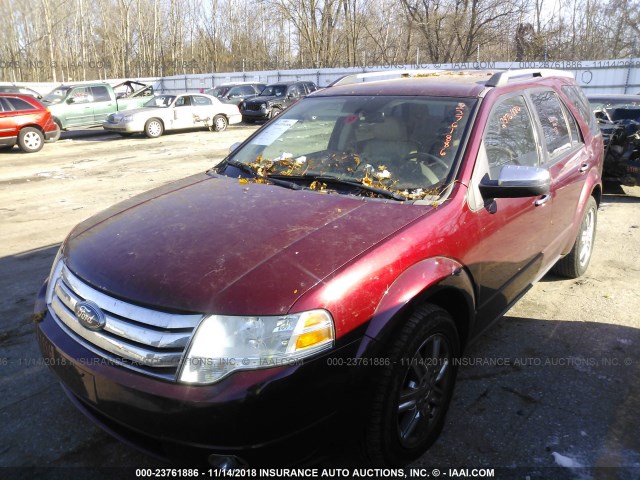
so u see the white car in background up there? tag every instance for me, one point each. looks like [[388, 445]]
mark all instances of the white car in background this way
[[174, 112]]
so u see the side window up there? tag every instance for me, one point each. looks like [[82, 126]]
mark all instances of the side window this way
[[81, 95], [294, 91], [198, 100], [577, 97], [183, 101], [4, 107], [100, 94], [553, 121], [19, 104], [509, 137]]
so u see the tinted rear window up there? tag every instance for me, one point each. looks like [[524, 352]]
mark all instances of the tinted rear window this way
[[19, 104], [577, 97]]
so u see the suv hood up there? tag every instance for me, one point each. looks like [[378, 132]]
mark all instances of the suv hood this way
[[262, 99], [211, 244]]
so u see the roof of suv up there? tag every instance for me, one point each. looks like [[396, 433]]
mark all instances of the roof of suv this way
[[459, 83]]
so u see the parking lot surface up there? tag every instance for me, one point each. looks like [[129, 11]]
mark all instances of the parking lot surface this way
[[551, 391]]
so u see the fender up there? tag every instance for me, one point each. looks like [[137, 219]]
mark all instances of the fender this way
[[420, 282]]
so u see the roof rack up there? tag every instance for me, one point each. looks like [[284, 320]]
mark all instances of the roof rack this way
[[389, 74], [501, 79]]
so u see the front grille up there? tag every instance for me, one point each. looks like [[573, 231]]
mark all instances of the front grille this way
[[254, 107], [145, 340]]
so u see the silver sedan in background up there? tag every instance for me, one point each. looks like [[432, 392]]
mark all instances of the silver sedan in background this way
[[174, 112]]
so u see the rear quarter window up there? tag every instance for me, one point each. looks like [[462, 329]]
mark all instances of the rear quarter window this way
[[579, 100], [19, 104]]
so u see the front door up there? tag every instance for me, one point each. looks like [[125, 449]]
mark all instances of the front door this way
[[511, 233]]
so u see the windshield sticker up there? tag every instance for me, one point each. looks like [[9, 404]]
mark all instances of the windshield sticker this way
[[274, 131], [510, 115], [452, 128]]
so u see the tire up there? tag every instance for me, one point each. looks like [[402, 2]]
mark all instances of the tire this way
[[411, 395], [575, 264], [153, 128], [248, 120], [275, 112], [30, 140], [219, 123]]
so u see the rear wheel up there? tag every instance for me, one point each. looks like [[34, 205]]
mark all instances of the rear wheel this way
[[30, 140], [412, 394], [575, 264], [153, 128], [219, 123]]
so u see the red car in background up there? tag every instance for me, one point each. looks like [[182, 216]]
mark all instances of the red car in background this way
[[26, 122]]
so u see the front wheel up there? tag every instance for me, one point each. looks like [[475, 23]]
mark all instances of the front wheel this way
[[219, 123], [153, 128], [56, 137], [30, 140], [575, 264], [275, 111], [412, 393]]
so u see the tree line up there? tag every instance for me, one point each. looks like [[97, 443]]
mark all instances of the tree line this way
[[67, 40]]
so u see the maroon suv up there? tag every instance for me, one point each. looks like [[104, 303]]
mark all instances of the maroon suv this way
[[320, 282], [26, 122]]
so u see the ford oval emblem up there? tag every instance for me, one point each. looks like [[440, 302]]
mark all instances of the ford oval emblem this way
[[90, 316]]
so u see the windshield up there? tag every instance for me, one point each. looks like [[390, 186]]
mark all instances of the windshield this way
[[274, 91], [161, 101], [406, 146], [56, 96]]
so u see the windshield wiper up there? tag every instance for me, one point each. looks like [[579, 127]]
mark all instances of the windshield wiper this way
[[351, 183], [276, 181]]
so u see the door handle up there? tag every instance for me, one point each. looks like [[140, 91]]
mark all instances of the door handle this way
[[542, 200], [584, 167]]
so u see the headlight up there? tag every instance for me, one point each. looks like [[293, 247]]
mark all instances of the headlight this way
[[127, 118], [263, 106], [54, 274], [222, 344], [241, 105]]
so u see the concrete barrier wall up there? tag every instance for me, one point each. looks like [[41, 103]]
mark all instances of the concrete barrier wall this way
[[595, 76]]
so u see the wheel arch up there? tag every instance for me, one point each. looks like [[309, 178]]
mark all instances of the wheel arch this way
[[57, 121], [440, 281], [590, 189]]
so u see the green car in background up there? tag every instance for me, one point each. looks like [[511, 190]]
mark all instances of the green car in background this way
[[89, 104]]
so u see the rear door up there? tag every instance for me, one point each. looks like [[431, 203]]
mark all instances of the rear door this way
[[8, 129], [203, 110], [568, 161]]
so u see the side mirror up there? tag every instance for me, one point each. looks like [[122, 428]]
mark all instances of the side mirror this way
[[517, 181], [234, 146]]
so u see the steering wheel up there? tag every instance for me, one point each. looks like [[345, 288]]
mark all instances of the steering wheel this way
[[427, 163]]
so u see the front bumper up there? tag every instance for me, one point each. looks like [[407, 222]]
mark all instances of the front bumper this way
[[261, 114], [275, 414], [128, 127]]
